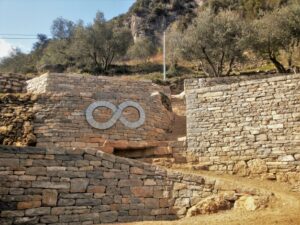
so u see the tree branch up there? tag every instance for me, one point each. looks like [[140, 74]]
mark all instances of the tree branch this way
[[230, 66], [220, 68], [209, 61]]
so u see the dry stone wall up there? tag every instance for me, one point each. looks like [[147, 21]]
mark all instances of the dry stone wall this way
[[56, 186], [16, 119], [63, 101], [12, 83], [245, 125]]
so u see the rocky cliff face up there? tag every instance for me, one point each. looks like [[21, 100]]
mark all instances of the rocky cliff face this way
[[149, 18]]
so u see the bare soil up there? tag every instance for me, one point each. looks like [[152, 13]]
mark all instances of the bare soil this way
[[285, 210]]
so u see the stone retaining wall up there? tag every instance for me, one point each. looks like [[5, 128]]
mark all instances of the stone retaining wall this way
[[56, 186], [12, 83], [64, 98], [16, 119], [245, 125], [64, 187]]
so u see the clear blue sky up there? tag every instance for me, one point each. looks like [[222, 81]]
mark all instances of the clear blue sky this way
[[36, 16]]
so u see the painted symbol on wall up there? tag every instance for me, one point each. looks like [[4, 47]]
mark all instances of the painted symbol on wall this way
[[117, 114]]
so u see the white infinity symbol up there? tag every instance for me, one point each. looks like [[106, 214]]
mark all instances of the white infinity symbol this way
[[117, 114]]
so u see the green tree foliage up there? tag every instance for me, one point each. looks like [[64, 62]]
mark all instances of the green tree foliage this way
[[249, 9], [57, 52], [140, 7], [174, 45], [58, 49], [17, 62], [143, 49], [216, 41], [38, 50], [41, 43], [62, 28], [90, 48], [99, 44], [289, 21], [217, 6], [277, 32]]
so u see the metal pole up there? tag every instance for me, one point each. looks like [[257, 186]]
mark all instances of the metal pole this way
[[164, 56]]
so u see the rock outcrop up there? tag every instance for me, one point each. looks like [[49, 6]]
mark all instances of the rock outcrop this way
[[150, 18]]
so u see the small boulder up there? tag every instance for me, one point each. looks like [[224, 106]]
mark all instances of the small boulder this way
[[286, 158], [210, 205], [257, 166], [30, 140], [241, 168], [251, 203]]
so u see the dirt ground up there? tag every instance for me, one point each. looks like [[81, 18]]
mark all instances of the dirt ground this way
[[285, 210]]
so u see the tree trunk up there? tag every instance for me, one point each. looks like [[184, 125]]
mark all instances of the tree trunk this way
[[290, 60], [220, 68], [210, 62], [230, 67], [201, 66], [106, 65], [111, 60], [280, 68], [94, 57]]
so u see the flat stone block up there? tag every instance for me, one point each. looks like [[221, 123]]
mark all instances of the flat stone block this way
[[79, 185], [108, 217], [29, 205], [49, 197], [51, 185], [38, 211]]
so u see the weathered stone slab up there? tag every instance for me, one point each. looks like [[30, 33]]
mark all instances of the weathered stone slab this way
[[79, 185], [51, 185], [108, 217], [37, 211], [29, 205], [142, 191], [49, 197]]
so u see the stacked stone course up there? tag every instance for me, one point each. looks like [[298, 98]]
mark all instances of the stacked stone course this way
[[61, 122], [245, 125], [56, 186], [16, 119], [67, 187], [12, 83]]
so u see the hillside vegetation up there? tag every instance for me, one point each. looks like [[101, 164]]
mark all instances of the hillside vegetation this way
[[211, 38]]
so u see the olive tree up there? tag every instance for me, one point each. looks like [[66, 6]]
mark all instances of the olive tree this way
[[16, 62], [57, 52], [62, 28], [215, 41], [289, 22], [174, 46], [275, 33], [99, 44], [142, 49]]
